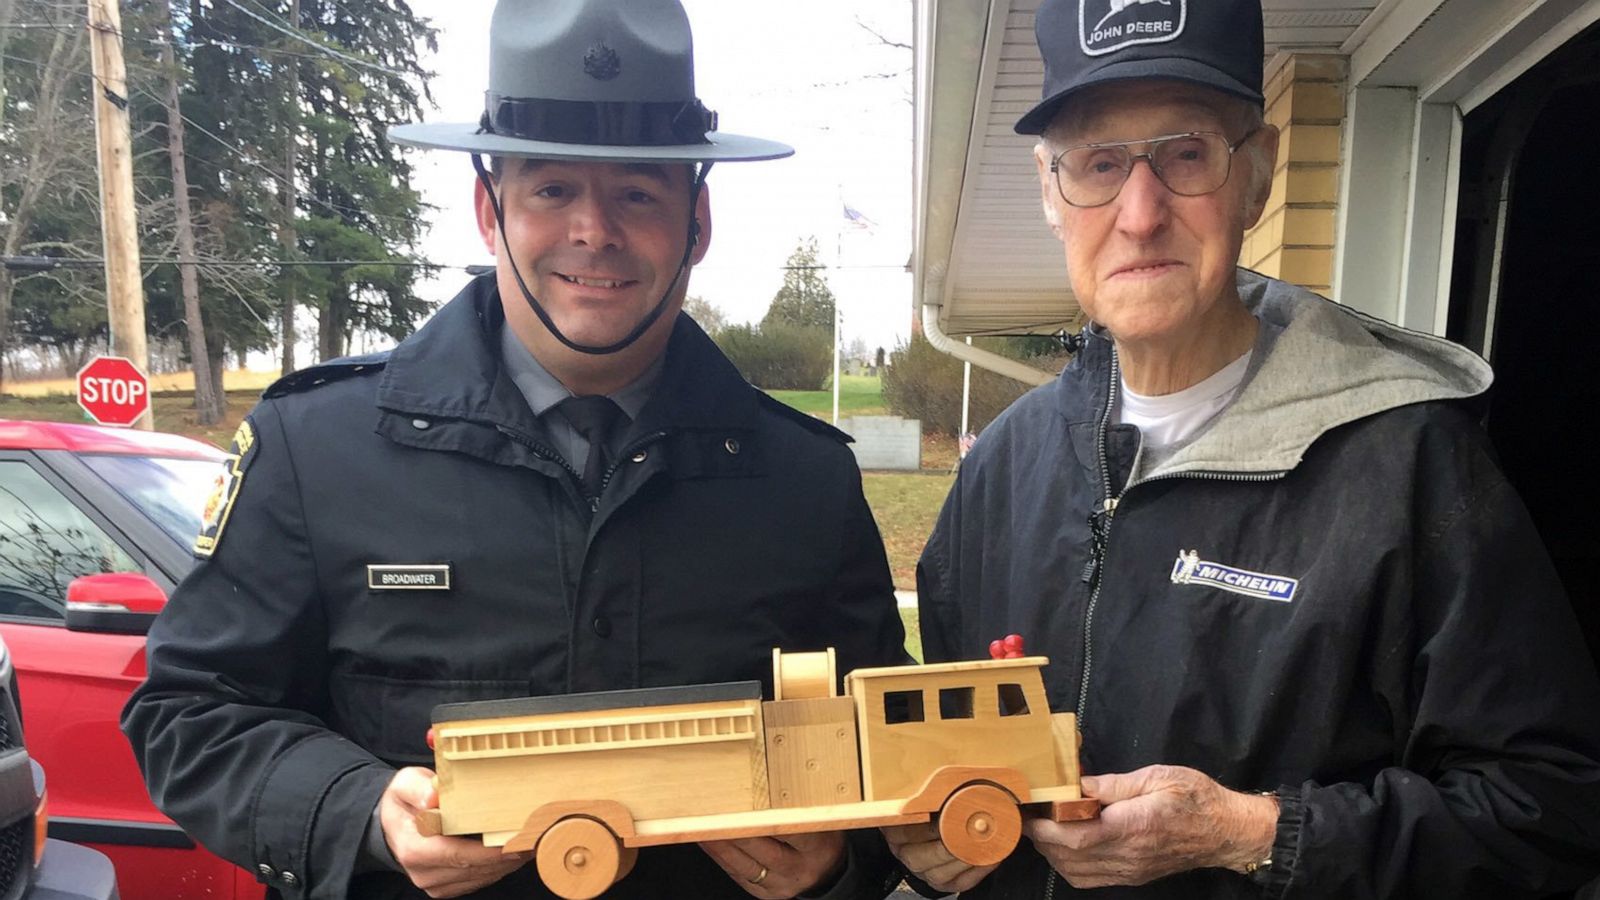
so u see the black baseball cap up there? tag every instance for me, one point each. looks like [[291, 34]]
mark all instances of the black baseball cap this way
[[1217, 44]]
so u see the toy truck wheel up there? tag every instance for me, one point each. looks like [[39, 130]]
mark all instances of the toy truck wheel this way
[[630, 855], [579, 858], [980, 824]]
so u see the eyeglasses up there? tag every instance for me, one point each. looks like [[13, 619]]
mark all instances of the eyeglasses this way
[[1189, 164]]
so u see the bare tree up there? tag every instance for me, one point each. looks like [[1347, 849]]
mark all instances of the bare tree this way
[[208, 401], [44, 143], [705, 314]]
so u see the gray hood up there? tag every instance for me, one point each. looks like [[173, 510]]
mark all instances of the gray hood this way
[[1329, 366]]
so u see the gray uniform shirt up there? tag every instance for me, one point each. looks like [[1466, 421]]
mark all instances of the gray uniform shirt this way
[[543, 391]]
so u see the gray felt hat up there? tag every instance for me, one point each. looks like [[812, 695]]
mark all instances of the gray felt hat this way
[[592, 80]]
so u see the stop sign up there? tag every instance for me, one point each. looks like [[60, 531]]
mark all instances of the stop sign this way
[[113, 391]]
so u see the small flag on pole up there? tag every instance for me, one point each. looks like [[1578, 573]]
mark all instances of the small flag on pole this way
[[855, 219], [965, 443]]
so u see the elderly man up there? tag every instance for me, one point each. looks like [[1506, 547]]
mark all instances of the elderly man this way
[[1313, 642], [557, 485]]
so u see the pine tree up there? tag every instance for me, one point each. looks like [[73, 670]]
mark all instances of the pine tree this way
[[805, 298]]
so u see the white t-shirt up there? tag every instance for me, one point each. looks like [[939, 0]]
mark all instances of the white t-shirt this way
[[1171, 419]]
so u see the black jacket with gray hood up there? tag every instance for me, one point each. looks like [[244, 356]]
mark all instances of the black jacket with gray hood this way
[[1331, 592]]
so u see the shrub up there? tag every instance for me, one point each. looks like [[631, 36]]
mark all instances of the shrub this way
[[920, 382], [779, 356]]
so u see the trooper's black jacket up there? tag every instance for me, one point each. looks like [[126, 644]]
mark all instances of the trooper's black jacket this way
[[283, 690], [1422, 702]]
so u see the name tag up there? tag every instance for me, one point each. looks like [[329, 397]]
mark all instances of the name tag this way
[[430, 577]]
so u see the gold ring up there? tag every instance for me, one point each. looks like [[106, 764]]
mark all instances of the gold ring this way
[[759, 878]]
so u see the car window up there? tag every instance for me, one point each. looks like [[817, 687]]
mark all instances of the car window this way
[[172, 492], [45, 542]]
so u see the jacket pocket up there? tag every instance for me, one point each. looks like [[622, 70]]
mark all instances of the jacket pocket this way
[[391, 716]]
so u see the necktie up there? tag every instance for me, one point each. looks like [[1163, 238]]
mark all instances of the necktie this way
[[593, 417]]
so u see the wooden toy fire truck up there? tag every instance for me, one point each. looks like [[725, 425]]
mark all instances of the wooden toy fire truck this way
[[584, 780]]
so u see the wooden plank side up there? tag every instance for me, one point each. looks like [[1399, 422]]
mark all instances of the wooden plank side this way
[[496, 794]]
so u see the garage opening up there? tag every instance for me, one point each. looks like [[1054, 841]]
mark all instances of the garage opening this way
[[1525, 292]]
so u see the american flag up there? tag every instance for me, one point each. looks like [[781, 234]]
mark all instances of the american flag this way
[[856, 220]]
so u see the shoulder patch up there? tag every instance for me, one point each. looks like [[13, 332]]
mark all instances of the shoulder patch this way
[[809, 422], [323, 373], [214, 516]]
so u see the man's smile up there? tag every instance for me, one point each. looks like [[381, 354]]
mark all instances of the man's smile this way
[[595, 282]]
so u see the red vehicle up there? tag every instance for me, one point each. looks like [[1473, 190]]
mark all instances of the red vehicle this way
[[96, 526]]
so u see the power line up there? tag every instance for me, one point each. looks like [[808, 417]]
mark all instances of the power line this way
[[301, 36], [51, 263], [47, 263], [272, 173], [243, 154]]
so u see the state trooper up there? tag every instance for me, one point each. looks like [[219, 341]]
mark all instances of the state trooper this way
[[557, 484]]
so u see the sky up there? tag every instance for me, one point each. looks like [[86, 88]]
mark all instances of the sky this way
[[821, 76]]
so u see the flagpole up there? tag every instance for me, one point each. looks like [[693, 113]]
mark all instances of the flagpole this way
[[966, 403], [838, 257]]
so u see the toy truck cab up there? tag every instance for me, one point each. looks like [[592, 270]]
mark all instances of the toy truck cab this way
[[914, 720], [974, 741]]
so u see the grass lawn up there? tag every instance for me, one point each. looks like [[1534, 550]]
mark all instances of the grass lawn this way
[[913, 633], [905, 505], [859, 395], [174, 412]]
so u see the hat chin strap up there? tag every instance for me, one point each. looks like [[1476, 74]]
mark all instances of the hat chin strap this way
[[538, 308]]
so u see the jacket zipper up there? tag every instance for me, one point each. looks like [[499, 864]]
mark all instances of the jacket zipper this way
[[1100, 535], [622, 454], [1100, 525], [544, 451]]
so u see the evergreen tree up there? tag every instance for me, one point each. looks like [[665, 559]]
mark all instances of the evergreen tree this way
[[358, 203], [805, 298], [356, 72]]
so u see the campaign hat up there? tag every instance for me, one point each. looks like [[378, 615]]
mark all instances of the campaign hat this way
[[592, 80]]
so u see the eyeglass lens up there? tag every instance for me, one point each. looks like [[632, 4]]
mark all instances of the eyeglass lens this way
[[1189, 165]]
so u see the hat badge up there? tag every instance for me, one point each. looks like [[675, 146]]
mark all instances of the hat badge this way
[[602, 62]]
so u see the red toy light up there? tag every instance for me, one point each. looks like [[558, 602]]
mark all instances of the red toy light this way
[[1008, 647]]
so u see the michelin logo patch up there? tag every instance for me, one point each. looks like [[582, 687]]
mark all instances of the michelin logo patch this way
[[1108, 25], [1191, 569]]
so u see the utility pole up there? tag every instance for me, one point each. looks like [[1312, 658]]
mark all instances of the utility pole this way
[[118, 221], [288, 237]]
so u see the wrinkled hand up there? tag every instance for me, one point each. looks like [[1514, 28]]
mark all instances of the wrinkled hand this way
[[441, 866], [924, 855], [1157, 821], [792, 863]]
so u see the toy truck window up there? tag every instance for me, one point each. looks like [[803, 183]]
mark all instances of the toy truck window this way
[[955, 703], [900, 707], [1012, 703]]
